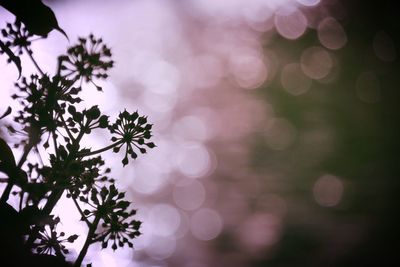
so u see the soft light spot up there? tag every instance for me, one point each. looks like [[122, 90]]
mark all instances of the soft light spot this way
[[249, 70], [184, 226], [147, 179], [164, 219], [328, 190], [368, 87], [160, 247], [206, 224], [193, 160], [384, 47], [316, 62], [190, 128], [293, 79], [259, 231], [290, 22], [189, 194], [259, 17], [163, 157], [331, 34]]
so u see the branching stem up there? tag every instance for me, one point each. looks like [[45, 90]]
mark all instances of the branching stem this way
[[34, 61], [101, 150]]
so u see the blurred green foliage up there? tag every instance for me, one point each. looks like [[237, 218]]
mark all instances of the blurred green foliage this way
[[365, 151]]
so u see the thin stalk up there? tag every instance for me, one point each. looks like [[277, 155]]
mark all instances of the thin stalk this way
[[34, 61], [55, 144], [66, 128], [27, 150], [7, 190], [100, 150], [80, 211], [88, 241]]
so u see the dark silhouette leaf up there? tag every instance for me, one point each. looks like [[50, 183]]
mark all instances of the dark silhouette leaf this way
[[38, 18], [6, 155]]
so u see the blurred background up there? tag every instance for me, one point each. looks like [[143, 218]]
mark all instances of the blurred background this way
[[276, 124]]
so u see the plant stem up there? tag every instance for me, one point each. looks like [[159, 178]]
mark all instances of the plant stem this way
[[80, 211], [48, 207], [55, 144], [88, 241], [34, 61], [56, 193], [7, 190], [100, 150], [27, 149], [66, 128]]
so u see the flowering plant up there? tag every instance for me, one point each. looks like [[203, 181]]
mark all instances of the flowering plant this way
[[49, 118]]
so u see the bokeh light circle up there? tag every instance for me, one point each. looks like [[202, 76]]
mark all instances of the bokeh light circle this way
[[293, 79], [316, 62], [193, 159], [331, 34], [249, 70], [206, 224], [384, 47], [259, 231], [328, 190], [189, 194], [290, 23], [160, 247], [165, 219]]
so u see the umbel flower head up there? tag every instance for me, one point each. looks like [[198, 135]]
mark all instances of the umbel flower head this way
[[17, 37], [108, 205], [119, 230], [131, 130], [87, 60], [43, 99], [51, 242]]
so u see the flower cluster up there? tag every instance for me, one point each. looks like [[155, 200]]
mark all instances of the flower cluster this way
[[131, 130], [119, 230], [87, 60], [51, 242], [38, 112], [17, 37], [86, 120], [44, 100], [109, 207], [88, 174]]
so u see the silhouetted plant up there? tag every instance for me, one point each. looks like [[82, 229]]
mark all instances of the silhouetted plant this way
[[50, 118]]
